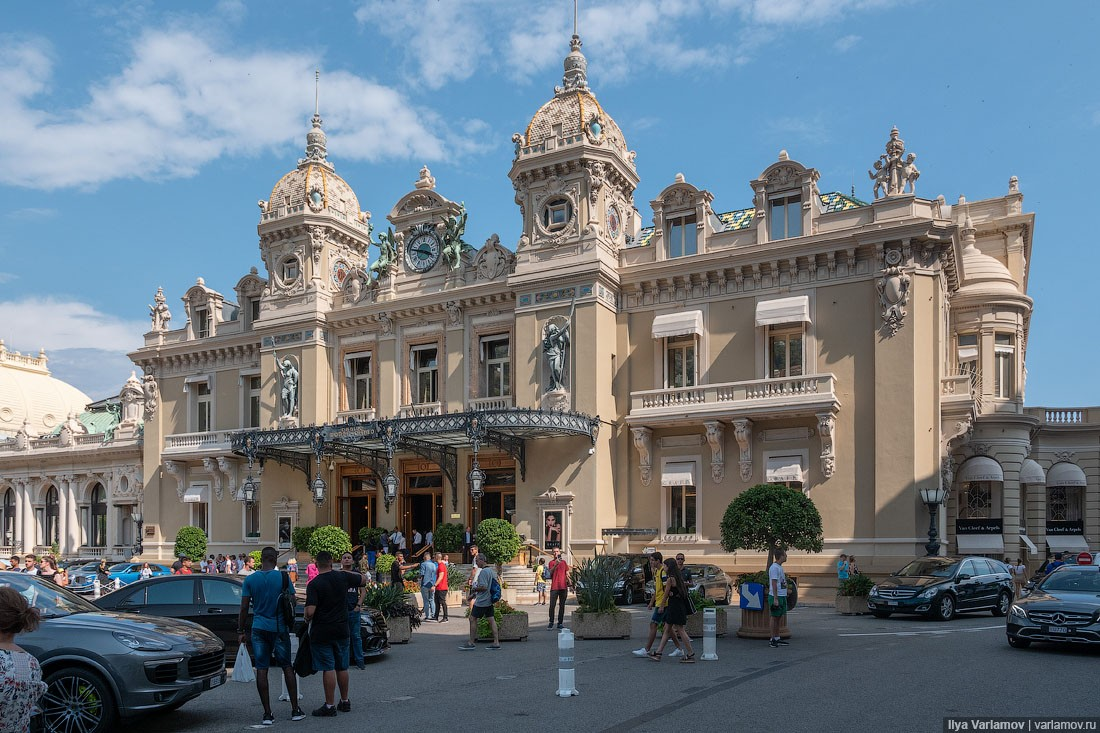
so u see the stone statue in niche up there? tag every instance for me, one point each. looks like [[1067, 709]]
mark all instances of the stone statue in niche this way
[[555, 347], [159, 313], [354, 289], [288, 390]]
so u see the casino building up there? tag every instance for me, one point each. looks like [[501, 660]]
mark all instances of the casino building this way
[[616, 376]]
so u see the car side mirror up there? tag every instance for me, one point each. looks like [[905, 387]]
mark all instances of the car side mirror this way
[[961, 577]]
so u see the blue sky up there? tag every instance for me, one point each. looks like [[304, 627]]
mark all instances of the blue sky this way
[[138, 136]]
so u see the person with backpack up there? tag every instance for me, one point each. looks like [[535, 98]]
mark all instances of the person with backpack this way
[[265, 590], [542, 577], [486, 591]]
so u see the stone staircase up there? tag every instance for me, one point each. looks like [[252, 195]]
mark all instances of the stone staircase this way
[[522, 579]]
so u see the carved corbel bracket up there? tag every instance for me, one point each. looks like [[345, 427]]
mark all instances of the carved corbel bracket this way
[[229, 470], [643, 441], [742, 432], [211, 465], [826, 421], [178, 472], [715, 432]]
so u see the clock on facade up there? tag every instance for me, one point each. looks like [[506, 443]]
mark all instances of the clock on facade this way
[[422, 251], [614, 222], [340, 270]]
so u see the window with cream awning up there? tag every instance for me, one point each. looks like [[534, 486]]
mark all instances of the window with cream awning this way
[[784, 469], [783, 310], [681, 323], [678, 474]]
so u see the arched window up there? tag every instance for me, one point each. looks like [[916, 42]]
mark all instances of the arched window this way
[[9, 517], [53, 524], [97, 528]]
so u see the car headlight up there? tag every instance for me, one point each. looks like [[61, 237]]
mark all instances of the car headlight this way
[[141, 643], [1017, 612], [620, 583], [874, 590], [927, 593]]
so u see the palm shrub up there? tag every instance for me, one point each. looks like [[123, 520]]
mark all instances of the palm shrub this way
[[190, 542], [448, 537], [595, 580], [456, 578], [391, 601], [331, 538], [299, 538]]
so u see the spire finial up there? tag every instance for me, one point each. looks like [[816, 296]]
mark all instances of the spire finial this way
[[576, 3], [316, 92], [576, 65], [316, 140]]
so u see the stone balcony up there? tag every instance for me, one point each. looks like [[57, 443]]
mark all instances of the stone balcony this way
[[479, 404], [756, 399], [421, 409], [364, 415], [1065, 417], [209, 443]]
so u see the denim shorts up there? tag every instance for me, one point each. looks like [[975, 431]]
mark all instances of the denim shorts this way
[[268, 643], [330, 655], [658, 616]]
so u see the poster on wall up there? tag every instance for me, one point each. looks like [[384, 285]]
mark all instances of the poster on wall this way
[[284, 533], [553, 530]]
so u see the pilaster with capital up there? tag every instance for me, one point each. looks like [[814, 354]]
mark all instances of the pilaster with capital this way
[[742, 433], [643, 441], [715, 433], [826, 422]]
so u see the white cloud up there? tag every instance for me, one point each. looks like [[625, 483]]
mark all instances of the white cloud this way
[[31, 212], [7, 277], [181, 103], [32, 323], [846, 43]]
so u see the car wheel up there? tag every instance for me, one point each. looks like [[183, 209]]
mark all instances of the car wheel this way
[[944, 608], [78, 700], [882, 614], [729, 596], [1017, 643], [1003, 602], [628, 596]]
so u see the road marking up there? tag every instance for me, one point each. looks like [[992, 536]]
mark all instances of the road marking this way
[[929, 633]]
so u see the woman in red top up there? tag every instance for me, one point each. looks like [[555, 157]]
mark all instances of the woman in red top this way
[[441, 586]]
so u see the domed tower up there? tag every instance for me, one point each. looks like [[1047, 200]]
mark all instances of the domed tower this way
[[573, 174], [313, 234]]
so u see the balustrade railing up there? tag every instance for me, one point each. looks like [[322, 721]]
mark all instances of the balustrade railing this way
[[358, 415], [779, 391], [218, 439], [421, 409], [490, 403]]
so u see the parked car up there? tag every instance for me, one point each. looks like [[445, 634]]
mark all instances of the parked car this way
[[941, 586], [634, 572], [100, 666], [710, 581], [82, 578], [214, 601], [1063, 608], [1068, 559]]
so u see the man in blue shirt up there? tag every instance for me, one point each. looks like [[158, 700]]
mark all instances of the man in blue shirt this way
[[270, 635], [1051, 567], [428, 575]]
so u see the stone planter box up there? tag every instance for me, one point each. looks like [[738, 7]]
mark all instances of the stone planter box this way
[[455, 599], [757, 625], [512, 627], [413, 599], [611, 625], [400, 629], [508, 595], [694, 626], [851, 604]]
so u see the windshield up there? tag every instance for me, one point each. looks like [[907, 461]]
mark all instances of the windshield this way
[[929, 567], [121, 567], [1076, 579], [50, 600]]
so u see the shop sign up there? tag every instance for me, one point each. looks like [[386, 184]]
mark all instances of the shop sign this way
[[1064, 528], [979, 526], [629, 532]]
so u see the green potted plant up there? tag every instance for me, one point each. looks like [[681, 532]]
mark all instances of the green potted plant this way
[[299, 538], [448, 537], [694, 626], [382, 565], [764, 518], [512, 625], [851, 594], [331, 538], [597, 616], [498, 540], [190, 542], [401, 617], [368, 536], [456, 584]]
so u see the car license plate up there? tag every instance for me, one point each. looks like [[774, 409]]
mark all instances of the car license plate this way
[[215, 681], [891, 603], [1057, 630]]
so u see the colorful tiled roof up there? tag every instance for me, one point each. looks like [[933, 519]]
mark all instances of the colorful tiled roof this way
[[742, 218]]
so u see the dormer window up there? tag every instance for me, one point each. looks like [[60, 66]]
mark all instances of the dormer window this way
[[785, 216], [681, 236], [290, 270], [556, 214], [202, 319]]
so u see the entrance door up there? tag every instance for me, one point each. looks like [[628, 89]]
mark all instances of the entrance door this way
[[423, 505], [499, 501], [358, 505]]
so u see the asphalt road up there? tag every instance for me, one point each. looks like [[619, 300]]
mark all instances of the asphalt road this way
[[840, 673]]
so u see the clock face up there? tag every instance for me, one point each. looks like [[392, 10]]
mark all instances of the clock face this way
[[614, 222], [422, 252], [340, 270]]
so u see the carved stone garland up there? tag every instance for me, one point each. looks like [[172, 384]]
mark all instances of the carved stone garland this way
[[893, 292], [643, 442], [715, 433], [826, 421], [742, 432]]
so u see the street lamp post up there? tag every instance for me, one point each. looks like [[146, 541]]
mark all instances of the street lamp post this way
[[932, 498], [139, 520], [389, 486], [476, 478]]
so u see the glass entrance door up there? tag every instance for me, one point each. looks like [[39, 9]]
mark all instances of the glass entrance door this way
[[358, 504], [423, 504]]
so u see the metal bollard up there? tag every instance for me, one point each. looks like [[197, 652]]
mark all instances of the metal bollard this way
[[97, 589], [710, 628], [285, 695], [566, 678]]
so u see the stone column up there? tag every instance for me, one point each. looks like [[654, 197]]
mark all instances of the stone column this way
[[70, 541], [110, 483], [28, 531]]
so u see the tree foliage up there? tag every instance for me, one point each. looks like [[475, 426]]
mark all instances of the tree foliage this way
[[448, 537], [190, 542], [768, 517], [498, 540], [300, 537], [331, 538], [369, 536]]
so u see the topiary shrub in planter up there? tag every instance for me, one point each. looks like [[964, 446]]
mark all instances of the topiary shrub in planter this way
[[401, 618], [382, 565], [331, 538], [299, 538], [694, 626], [765, 518], [498, 540], [851, 595], [512, 625], [448, 537], [190, 542], [456, 584], [369, 536], [597, 616]]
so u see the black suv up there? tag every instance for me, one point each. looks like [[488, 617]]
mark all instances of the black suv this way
[[941, 586], [630, 587]]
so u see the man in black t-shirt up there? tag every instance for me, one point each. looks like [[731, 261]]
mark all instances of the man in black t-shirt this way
[[327, 614]]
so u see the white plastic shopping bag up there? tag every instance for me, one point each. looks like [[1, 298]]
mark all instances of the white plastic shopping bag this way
[[242, 667]]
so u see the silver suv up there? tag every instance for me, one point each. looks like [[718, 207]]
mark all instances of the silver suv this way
[[100, 666]]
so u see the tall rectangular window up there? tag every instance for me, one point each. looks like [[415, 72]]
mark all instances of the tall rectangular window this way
[[200, 516], [254, 308], [681, 510], [252, 418], [1004, 362], [680, 361], [425, 374], [785, 217], [976, 500], [785, 355], [203, 407], [681, 236], [359, 382], [202, 322], [496, 366]]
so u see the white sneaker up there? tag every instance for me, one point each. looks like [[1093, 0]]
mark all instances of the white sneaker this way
[[640, 652], [677, 652]]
